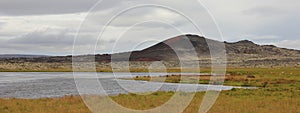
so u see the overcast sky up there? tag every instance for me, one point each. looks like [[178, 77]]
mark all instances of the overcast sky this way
[[108, 26]]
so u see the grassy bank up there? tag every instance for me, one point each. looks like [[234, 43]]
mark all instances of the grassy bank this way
[[259, 77], [268, 100]]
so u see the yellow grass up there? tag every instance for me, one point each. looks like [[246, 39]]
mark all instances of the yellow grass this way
[[235, 101]]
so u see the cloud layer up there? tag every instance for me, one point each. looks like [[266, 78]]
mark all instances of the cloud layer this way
[[50, 27]]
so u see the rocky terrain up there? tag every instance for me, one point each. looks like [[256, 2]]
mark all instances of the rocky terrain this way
[[185, 48]]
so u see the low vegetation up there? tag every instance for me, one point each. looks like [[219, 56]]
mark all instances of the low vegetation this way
[[258, 77]]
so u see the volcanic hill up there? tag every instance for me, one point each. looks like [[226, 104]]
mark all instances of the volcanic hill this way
[[183, 48]]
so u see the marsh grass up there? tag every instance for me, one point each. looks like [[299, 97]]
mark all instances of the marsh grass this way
[[268, 100], [259, 77], [68, 104]]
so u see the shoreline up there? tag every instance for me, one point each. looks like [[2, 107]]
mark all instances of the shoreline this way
[[204, 70]]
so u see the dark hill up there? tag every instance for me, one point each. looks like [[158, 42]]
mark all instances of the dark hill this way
[[186, 45]]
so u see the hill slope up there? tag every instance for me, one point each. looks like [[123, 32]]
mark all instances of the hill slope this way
[[186, 46]]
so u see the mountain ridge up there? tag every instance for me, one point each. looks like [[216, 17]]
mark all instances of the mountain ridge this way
[[166, 50]]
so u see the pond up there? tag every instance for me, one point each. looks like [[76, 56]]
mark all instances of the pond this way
[[57, 84]]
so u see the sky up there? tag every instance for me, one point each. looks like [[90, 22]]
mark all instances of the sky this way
[[63, 27]]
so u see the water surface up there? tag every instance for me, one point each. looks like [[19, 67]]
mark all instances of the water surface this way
[[57, 84]]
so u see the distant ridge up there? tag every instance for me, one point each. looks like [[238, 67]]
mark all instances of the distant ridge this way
[[20, 56]]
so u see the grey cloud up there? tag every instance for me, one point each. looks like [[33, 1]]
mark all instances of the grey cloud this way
[[50, 38], [134, 16], [47, 43], [264, 11], [285, 29], [294, 44], [38, 7], [42, 38], [2, 24], [233, 21], [157, 10]]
